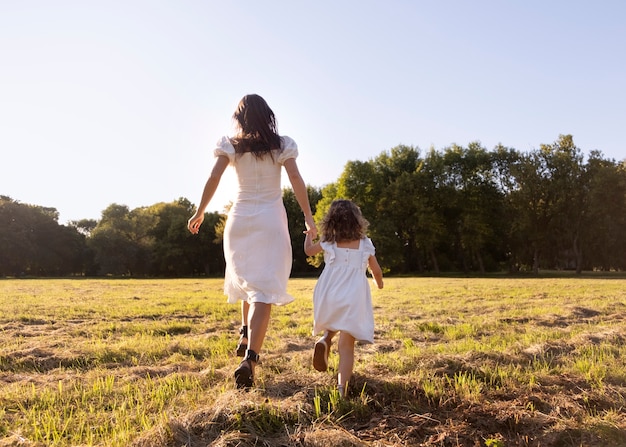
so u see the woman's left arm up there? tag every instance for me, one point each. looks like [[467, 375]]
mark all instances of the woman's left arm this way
[[299, 189], [311, 248]]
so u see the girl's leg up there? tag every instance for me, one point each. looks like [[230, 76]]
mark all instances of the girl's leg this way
[[346, 361], [321, 351], [328, 336]]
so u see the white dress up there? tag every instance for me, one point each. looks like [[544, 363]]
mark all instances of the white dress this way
[[342, 300], [257, 246]]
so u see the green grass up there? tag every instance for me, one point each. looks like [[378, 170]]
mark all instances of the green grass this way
[[456, 361]]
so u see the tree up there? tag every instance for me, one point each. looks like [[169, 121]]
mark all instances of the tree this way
[[504, 161], [443, 183], [478, 205], [530, 203], [373, 186], [33, 243], [118, 244], [16, 243], [177, 252], [567, 195], [154, 240], [399, 201], [602, 233], [170, 250], [84, 226], [295, 220], [364, 185]]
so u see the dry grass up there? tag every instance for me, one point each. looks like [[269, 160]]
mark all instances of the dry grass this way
[[457, 362]]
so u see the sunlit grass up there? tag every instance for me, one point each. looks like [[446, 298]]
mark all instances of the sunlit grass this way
[[76, 411], [101, 362]]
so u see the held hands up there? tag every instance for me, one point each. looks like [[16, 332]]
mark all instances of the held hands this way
[[194, 223], [311, 229]]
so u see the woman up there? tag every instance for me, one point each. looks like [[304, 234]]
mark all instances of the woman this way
[[257, 246]]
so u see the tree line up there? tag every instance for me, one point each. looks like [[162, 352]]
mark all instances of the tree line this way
[[460, 209]]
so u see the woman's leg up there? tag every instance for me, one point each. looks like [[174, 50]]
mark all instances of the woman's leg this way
[[346, 361], [243, 338], [258, 321], [245, 308]]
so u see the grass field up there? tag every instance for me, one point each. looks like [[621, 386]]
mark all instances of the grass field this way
[[492, 362]]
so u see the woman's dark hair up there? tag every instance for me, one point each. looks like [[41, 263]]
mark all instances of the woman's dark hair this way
[[257, 127], [343, 222]]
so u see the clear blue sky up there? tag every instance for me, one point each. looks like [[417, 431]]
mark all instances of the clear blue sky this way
[[122, 101]]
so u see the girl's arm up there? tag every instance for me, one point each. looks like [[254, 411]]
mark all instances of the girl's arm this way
[[207, 194], [376, 271], [299, 189], [310, 248]]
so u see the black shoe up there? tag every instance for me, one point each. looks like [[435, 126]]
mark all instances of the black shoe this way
[[241, 347], [244, 375]]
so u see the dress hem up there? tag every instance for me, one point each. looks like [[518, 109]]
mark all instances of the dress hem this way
[[260, 299]]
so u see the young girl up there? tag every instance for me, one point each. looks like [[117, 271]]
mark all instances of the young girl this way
[[342, 300]]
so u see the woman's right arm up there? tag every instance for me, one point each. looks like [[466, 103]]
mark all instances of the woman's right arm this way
[[207, 194]]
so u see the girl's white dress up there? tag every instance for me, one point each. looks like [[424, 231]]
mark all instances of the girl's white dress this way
[[257, 246], [342, 300]]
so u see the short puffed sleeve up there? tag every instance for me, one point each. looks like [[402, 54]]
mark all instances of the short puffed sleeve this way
[[329, 251], [290, 149], [225, 147], [368, 249]]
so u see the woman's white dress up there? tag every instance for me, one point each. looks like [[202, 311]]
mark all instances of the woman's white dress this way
[[342, 299], [257, 246]]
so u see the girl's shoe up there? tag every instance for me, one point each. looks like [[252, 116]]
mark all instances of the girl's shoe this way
[[320, 354], [241, 347], [244, 374]]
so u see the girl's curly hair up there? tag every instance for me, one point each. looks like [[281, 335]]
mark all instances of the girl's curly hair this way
[[343, 222]]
